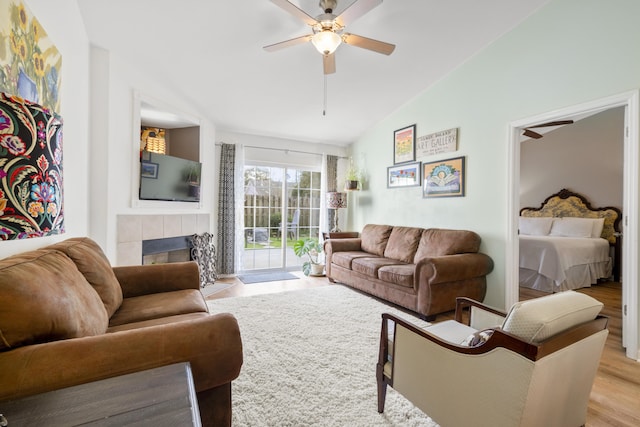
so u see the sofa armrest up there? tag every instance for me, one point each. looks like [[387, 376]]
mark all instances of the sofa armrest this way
[[451, 268], [338, 245], [211, 344], [137, 280], [342, 245]]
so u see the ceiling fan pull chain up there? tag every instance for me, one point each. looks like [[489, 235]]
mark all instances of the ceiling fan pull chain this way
[[324, 109]]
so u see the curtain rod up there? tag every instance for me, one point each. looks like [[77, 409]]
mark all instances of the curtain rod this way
[[286, 150]]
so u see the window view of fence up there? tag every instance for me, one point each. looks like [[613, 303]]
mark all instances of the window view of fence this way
[[281, 205]]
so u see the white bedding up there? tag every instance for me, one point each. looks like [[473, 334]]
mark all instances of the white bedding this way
[[552, 264]]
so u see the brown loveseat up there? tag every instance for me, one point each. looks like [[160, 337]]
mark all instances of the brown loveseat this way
[[67, 318], [423, 270]]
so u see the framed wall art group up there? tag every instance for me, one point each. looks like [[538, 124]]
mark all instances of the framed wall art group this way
[[440, 178]]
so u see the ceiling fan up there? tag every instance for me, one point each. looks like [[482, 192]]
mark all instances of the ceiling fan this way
[[327, 30], [535, 135]]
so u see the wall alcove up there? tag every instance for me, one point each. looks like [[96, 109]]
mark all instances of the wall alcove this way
[[179, 136]]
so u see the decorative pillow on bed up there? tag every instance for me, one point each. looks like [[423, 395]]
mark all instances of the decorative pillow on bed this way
[[576, 227], [478, 338], [535, 226], [598, 226]]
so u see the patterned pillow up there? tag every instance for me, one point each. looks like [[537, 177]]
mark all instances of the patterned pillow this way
[[478, 338]]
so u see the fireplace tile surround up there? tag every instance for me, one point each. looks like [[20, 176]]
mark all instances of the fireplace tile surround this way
[[133, 229]]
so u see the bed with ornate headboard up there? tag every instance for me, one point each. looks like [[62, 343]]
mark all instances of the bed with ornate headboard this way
[[568, 244]]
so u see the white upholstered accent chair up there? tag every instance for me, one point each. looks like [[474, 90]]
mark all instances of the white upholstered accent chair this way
[[534, 366]]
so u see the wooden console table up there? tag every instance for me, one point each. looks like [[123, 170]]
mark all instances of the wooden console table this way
[[162, 396], [340, 235]]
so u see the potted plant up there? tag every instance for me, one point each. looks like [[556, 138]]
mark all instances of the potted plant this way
[[192, 177], [312, 249], [352, 177]]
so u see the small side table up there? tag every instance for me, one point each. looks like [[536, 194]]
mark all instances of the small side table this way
[[340, 235], [163, 396]]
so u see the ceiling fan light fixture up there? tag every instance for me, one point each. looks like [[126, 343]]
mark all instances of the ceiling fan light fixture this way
[[326, 41]]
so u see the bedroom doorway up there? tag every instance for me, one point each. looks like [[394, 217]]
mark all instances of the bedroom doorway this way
[[631, 185]]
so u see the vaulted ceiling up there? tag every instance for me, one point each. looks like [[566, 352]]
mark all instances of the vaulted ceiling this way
[[211, 52]]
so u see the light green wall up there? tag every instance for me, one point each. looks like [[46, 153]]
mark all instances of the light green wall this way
[[569, 52]]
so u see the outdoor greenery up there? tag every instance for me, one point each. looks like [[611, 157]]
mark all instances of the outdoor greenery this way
[[274, 242]]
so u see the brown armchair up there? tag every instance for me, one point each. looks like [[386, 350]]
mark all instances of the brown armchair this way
[[534, 366]]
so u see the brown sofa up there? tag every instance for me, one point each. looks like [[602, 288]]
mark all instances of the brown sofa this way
[[423, 270], [67, 318]]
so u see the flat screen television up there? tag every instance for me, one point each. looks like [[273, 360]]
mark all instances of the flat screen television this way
[[164, 177]]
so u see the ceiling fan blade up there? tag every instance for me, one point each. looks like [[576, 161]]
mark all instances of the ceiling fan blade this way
[[356, 10], [329, 63], [549, 124], [370, 44], [295, 11], [531, 134], [287, 43]]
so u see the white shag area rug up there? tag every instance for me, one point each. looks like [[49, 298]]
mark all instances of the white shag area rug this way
[[310, 360]]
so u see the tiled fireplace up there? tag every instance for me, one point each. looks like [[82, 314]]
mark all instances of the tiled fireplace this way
[[133, 230]]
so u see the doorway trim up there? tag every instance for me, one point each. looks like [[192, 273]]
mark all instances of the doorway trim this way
[[629, 100]]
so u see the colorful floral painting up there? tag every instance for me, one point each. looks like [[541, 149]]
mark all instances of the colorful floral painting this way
[[29, 62], [30, 170]]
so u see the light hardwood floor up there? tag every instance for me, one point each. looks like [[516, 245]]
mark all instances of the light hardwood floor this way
[[615, 396]]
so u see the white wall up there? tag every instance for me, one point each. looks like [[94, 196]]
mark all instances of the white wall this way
[[117, 90], [585, 157], [62, 22], [286, 150], [569, 52]]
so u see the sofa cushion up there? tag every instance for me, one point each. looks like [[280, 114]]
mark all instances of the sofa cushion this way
[[344, 259], [168, 320], [537, 319], [95, 267], [400, 274], [451, 331], [402, 243], [373, 238], [369, 265], [155, 306], [438, 242], [43, 297]]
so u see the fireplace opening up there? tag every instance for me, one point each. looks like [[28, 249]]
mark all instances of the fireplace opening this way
[[166, 250]]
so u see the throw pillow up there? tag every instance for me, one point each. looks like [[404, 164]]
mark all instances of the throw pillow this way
[[534, 226], [572, 227], [478, 338], [43, 298]]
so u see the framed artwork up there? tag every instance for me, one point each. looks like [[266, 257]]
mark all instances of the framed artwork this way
[[404, 145], [149, 170], [31, 64], [406, 175], [443, 178]]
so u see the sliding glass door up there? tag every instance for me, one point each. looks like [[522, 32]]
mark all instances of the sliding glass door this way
[[281, 205]]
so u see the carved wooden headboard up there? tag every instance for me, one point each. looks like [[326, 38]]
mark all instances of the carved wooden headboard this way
[[566, 203]]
